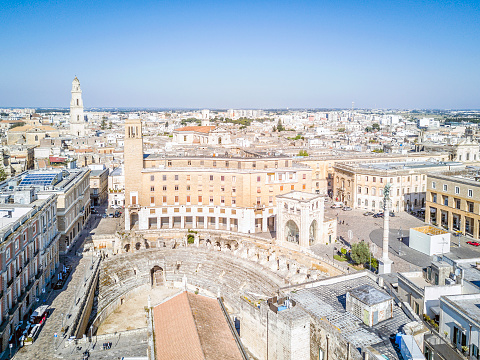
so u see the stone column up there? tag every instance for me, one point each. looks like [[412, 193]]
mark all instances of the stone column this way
[[462, 224], [385, 264], [449, 220]]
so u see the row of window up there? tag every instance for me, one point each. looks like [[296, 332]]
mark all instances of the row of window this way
[[227, 163], [374, 178], [373, 190], [222, 188], [457, 189], [210, 200], [457, 203], [291, 176]]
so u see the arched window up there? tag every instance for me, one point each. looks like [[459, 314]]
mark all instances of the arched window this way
[[77, 102], [366, 202], [78, 117], [374, 191], [373, 204]]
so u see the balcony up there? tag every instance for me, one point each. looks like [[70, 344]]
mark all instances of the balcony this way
[[36, 252], [9, 282]]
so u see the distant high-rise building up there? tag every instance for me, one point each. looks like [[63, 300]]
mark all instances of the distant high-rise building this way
[[77, 119]]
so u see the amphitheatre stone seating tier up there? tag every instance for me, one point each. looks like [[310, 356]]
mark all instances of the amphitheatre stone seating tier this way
[[218, 272]]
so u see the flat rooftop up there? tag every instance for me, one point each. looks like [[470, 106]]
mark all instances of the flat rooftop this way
[[430, 230], [328, 302], [467, 304]]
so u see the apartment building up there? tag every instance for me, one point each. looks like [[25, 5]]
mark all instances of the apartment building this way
[[116, 187], [360, 185], [29, 254], [235, 193], [72, 188], [98, 184], [453, 201]]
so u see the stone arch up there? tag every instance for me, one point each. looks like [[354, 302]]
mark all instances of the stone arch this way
[[156, 275], [127, 247], [292, 232], [312, 232], [138, 245]]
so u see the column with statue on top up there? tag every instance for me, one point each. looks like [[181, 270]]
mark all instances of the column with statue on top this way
[[385, 264]]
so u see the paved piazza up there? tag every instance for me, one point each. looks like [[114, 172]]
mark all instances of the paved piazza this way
[[370, 229]]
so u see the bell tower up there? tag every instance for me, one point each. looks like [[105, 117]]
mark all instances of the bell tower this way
[[77, 119], [133, 166]]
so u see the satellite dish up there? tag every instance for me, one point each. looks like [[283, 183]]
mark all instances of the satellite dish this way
[[458, 272]]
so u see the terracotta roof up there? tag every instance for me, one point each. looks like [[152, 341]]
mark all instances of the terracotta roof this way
[[175, 330], [203, 129], [195, 320], [84, 150]]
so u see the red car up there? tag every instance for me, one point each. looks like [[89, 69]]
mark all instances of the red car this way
[[474, 243]]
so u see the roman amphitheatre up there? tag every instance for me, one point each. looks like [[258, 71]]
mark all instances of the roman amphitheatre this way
[[145, 268]]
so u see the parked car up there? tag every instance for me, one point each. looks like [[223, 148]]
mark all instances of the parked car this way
[[116, 207], [378, 215], [392, 214], [347, 208], [337, 205], [368, 213], [474, 243], [94, 211]]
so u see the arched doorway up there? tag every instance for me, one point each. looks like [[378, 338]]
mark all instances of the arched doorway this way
[[292, 233], [312, 232], [156, 275]]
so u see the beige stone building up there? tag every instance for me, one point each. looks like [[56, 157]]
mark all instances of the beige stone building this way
[[228, 193], [323, 170], [453, 201], [30, 134], [29, 255], [98, 184], [360, 185], [72, 188]]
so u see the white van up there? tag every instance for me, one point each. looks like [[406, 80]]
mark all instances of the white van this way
[[337, 205]]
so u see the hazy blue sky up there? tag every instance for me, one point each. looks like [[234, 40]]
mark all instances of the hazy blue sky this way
[[241, 54]]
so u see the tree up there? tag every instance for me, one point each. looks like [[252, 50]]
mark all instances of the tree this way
[[360, 253], [110, 125], [21, 123], [280, 126], [103, 124], [375, 126], [274, 128], [303, 153], [3, 175]]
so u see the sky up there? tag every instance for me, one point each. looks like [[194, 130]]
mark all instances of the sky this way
[[241, 54]]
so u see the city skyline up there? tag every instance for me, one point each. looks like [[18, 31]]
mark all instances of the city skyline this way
[[242, 55]]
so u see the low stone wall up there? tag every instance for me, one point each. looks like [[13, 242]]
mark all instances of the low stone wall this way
[[115, 304]]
